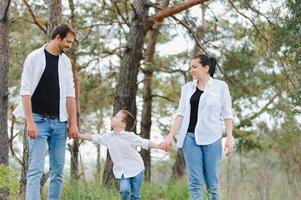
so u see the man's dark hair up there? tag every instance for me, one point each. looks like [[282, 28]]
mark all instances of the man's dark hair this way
[[62, 30], [129, 120], [206, 60]]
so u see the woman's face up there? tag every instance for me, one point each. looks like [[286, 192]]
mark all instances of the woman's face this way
[[197, 70]]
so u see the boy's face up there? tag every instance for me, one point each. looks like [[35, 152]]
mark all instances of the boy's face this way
[[118, 121]]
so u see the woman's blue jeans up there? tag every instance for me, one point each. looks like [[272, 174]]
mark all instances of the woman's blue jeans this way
[[203, 163]]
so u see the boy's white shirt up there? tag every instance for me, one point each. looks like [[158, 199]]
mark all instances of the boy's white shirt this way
[[122, 148]]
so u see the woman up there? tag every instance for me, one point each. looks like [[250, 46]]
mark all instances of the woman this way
[[204, 103]]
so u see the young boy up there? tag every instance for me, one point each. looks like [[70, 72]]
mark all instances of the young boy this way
[[128, 164]]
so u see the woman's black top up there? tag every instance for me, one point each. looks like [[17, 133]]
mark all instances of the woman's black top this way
[[194, 103]]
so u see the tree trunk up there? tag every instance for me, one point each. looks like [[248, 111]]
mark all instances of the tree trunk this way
[[146, 117], [23, 180], [73, 57], [55, 15], [127, 81], [4, 30], [178, 170], [74, 151], [146, 121], [98, 167]]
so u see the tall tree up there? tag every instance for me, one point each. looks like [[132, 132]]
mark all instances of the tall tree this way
[[146, 116], [54, 18], [73, 57], [178, 169], [55, 15], [4, 30], [127, 83]]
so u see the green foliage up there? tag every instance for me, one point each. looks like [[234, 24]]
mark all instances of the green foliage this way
[[9, 181], [153, 192], [177, 190], [88, 191], [253, 68], [259, 174]]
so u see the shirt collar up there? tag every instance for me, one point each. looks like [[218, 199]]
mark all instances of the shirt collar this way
[[43, 48], [113, 132], [208, 83]]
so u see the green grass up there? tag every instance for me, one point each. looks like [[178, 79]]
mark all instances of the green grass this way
[[177, 190], [94, 191]]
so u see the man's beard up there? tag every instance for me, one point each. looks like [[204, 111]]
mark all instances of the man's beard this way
[[62, 50]]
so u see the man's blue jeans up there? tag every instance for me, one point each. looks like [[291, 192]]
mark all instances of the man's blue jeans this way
[[54, 133], [202, 161], [130, 187]]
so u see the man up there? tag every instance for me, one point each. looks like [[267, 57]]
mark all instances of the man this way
[[48, 97]]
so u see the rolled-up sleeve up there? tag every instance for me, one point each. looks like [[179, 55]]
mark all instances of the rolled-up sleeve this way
[[70, 91], [27, 77], [138, 141], [182, 102], [227, 111]]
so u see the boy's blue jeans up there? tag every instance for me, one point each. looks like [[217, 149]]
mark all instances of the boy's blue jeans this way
[[202, 161], [130, 187], [54, 133]]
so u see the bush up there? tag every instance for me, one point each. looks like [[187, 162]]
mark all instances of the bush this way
[[9, 181]]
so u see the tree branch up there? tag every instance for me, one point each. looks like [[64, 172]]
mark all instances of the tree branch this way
[[4, 17], [262, 110], [12, 137], [259, 13], [163, 97], [119, 13], [160, 16], [245, 16], [195, 36], [38, 22]]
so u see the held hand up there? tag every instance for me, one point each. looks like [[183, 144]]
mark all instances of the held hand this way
[[167, 143], [72, 131], [31, 130], [228, 146]]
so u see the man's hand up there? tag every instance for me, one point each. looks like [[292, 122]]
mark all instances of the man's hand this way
[[31, 130], [72, 130], [228, 146]]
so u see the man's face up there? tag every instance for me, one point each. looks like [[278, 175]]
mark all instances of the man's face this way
[[66, 43]]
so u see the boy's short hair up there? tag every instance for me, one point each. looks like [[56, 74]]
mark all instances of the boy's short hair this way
[[129, 120]]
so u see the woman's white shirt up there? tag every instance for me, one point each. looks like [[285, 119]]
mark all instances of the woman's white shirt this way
[[215, 105]]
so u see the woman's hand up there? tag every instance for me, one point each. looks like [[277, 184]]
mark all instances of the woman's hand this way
[[228, 146]]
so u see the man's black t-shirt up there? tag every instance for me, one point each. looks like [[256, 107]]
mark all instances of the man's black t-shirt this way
[[46, 97]]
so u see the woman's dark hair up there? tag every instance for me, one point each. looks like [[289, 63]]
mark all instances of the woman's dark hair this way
[[206, 60], [62, 30], [129, 120]]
